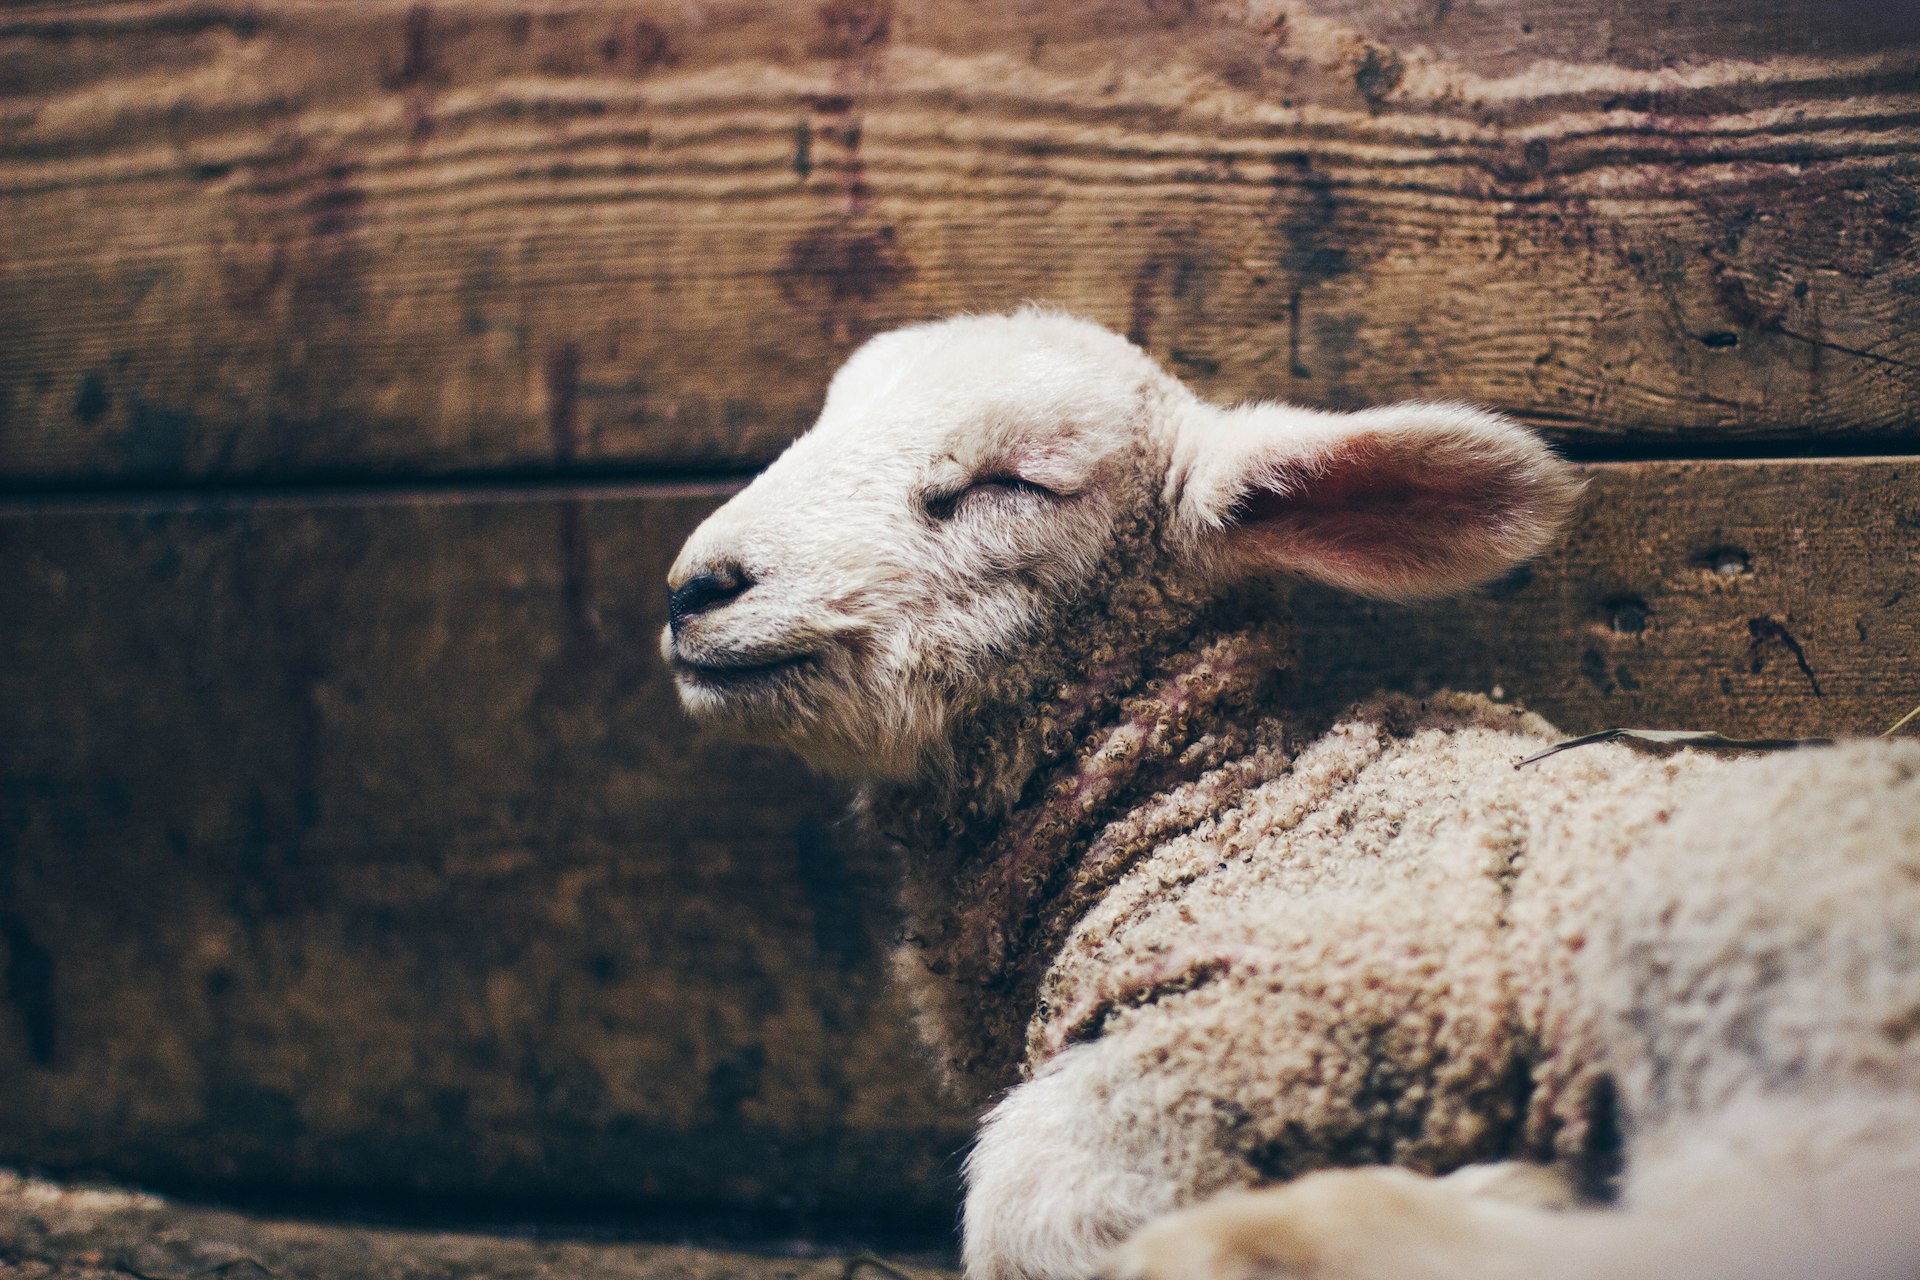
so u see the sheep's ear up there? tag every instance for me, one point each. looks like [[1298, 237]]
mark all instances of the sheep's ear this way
[[1407, 501]]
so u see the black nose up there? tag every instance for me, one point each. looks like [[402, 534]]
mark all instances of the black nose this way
[[698, 594]]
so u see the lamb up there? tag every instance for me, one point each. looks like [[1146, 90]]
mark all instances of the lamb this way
[[1251, 997]]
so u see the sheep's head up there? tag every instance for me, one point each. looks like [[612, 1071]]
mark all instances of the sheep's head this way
[[970, 481]]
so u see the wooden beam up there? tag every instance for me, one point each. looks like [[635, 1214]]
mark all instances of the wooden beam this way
[[362, 845], [291, 240]]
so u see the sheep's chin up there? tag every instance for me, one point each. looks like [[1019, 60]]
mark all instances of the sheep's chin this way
[[784, 710], [755, 700]]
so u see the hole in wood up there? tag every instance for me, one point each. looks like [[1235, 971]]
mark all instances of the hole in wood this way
[[1726, 562], [1625, 615]]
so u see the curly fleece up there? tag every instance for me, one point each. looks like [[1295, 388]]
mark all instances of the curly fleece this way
[[1363, 951]]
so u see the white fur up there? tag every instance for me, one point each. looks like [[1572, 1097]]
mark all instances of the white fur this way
[[1055, 1184], [836, 536]]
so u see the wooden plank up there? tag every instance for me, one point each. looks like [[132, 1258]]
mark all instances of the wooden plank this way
[[361, 846], [304, 239], [365, 848]]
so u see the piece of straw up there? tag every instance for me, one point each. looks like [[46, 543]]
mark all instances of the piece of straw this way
[[1673, 739]]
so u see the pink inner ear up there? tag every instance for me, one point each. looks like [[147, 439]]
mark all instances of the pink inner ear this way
[[1382, 515]]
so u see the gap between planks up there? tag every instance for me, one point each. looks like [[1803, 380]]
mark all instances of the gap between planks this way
[[657, 482]]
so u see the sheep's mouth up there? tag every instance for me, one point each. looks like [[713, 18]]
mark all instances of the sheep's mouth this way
[[730, 673]]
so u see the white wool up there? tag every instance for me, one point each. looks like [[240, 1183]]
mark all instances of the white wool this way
[[1014, 580]]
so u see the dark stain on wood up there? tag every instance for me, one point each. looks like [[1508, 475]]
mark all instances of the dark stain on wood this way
[[295, 251], [1378, 74], [653, 48], [644, 45], [157, 437], [576, 583], [842, 933], [1336, 337], [1723, 561], [1172, 14], [337, 205], [1141, 308], [853, 28], [1510, 584], [803, 149], [563, 401], [1317, 247], [419, 72], [1764, 633], [92, 401], [834, 271], [1593, 668], [418, 64], [1625, 615], [30, 988], [734, 1082], [272, 1114], [246, 24], [1294, 367], [1193, 363], [1738, 302]]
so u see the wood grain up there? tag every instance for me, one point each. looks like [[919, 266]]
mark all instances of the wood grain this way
[[360, 845], [364, 849], [1755, 598], [292, 240]]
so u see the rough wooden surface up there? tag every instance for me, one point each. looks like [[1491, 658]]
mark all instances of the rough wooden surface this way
[[54, 1232], [1756, 598], [290, 239], [362, 846], [365, 848]]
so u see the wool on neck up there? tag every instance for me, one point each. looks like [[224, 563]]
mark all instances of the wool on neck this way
[[1131, 730]]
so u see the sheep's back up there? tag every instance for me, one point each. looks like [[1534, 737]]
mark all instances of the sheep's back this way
[[1371, 956], [1768, 939]]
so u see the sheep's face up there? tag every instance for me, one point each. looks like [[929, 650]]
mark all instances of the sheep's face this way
[[961, 477], [967, 479]]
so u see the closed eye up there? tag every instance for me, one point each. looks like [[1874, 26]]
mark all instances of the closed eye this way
[[943, 505]]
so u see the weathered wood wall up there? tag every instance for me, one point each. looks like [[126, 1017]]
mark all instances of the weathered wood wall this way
[[363, 845], [349, 838]]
